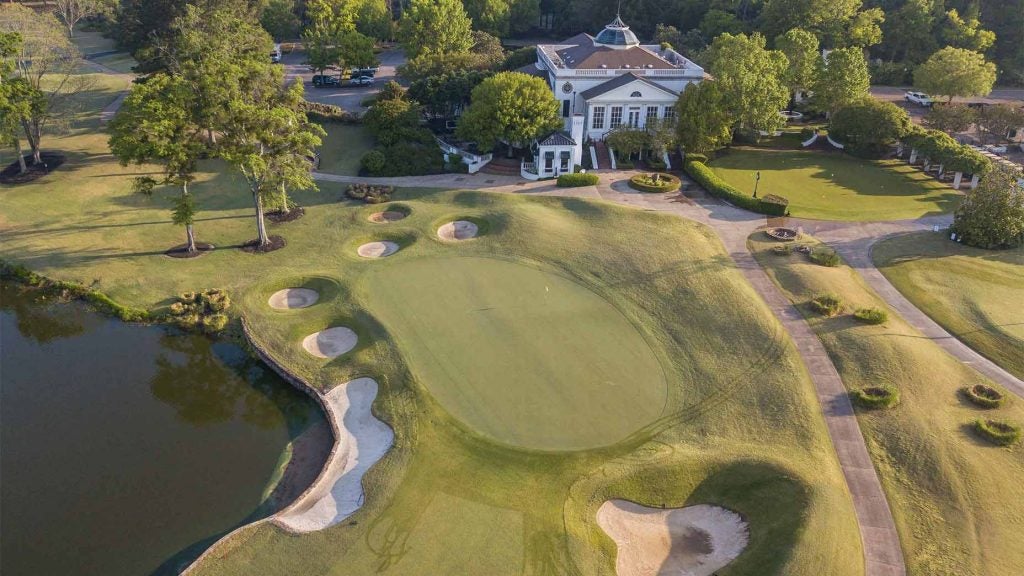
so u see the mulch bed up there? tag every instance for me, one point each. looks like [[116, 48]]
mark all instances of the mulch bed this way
[[12, 173], [276, 243], [179, 251], [279, 217]]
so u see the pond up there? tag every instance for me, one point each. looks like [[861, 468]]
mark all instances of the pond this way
[[129, 449]]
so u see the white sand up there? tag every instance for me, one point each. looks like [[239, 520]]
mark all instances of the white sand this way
[[458, 230], [377, 249], [691, 541], [292, 298], [330, 343], [363, 441]]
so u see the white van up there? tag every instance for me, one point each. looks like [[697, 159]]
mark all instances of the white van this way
[[275, 56]]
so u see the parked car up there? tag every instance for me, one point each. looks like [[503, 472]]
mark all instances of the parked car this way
[[362, 81], [996, 148], [919, 98], [357, 72], [323, 80], [275, 56]]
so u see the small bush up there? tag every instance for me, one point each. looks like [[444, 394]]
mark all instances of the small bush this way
[[782, 249], [874, 397], [984, 396], [824, 256], [188, 298], [215, 300], [188, 321], [214, 323], [373, 161], [655, 183], [178, 309], [997, 432], [694, 157], [320, 112], [718, 188], [827, 304], [577, 179], [871, 315], [370, 193]]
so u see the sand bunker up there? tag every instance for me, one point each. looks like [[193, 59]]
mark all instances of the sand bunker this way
[[695, 541], [362, 441], [458, 230], [292, 298], [387, 216], [330, 343], [377, 249]]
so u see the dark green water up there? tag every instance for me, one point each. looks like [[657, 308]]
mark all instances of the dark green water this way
[[125, 450]]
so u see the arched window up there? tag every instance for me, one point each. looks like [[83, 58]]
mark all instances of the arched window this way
[[636, 94]]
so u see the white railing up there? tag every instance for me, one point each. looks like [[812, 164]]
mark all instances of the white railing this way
[[474, 161], [528, 170]]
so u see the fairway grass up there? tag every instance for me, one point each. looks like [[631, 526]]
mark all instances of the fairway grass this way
[[736, 424], [522, 354], [836, 186], [977, 295], [958, 501], [343, 148]]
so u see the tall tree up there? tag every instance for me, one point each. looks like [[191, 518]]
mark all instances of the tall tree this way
[[999, 119], [331, 38], [801, 50], [908, 31], [435, 26], [842, 80], [47, 62], [966, 33], [751, 78], [992, 215], [16, 97], [956, 72], [71, 12], [512, 107], [869, 127], [279, 20], [703, 122], [156, 125]]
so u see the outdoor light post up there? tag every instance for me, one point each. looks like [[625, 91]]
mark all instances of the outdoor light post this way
[[757, 179]]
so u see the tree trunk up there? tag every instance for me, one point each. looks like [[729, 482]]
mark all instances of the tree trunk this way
[[190, 235], [284, 200], [261, 226], [33, 141], [21, 155]]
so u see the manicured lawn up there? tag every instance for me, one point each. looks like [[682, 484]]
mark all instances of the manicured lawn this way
[[836, 186], [978, 295], [343, 148], [958, 501], [737, 424], [521, 353]]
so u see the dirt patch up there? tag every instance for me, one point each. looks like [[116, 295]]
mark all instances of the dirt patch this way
[[377, 249], [330, 343], [695, 540], [179, 251], [293, 298], [276, 243], [386, 217], [279, 217], [458, 230], [362, 441], [12, 173]]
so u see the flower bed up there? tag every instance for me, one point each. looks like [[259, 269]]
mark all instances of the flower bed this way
[[656, 182]]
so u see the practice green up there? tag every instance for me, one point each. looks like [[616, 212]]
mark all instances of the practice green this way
[[518, 353]]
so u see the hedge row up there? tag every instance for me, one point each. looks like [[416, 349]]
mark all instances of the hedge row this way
[[98, 300], [576, 179], [320, 112], [771, 205]]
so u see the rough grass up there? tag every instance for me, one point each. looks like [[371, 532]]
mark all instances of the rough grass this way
[[835, 186], [741, 426], [975, 294], [343, 148], [958, 502]]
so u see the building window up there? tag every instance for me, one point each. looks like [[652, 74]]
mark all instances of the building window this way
[[565, 161], [565, 108], [616, 117], [652, 114], [634, 116], [636, 94], [549, 161], [670, 112], [598, 118]]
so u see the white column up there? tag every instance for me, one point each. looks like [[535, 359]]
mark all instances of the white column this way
[[974, 181], [958, 179], [913, 156]]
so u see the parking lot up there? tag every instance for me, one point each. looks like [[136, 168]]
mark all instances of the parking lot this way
[[347, 96]]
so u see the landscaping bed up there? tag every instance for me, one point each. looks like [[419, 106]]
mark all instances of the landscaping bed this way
[[656, 182]]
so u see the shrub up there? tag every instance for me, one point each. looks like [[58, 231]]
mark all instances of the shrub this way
[[992, 215], [178, 309], [215, 300], [214, 323], [871, 315], [874, 397], [718, 188], [695, 157], [827, 304], [997, 432], [782, 249], [656, 182], [370, 193], [319, 112], [824, 256], [373, 161], [869, 127], [577, 179], [188, 297], [775, 204], [984, 396]]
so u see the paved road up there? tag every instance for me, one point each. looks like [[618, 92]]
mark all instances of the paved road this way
[[346, 96]]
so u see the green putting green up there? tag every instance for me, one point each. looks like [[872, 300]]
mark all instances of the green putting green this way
[[521, 354]]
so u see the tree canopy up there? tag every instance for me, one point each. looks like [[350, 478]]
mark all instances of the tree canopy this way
[[510, 107], [842, 79], [435, 27], [956, 72], [869, 127], [801, 50], [751, 79], [992, 215], [703, 123]]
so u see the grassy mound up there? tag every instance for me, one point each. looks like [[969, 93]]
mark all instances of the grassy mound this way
[[873, 397], [984, 396], [997, 431]]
